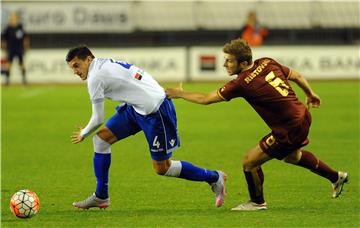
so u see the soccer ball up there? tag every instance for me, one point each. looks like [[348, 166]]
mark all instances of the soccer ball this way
[[24, 204]]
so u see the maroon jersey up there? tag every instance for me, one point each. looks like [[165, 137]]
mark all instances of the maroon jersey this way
[[266, 88]]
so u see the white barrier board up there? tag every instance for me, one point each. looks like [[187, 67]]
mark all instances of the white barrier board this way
[[197, 63], [314, 62], [49, 66]]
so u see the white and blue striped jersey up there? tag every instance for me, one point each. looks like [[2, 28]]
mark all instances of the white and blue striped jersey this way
[[122, 82]]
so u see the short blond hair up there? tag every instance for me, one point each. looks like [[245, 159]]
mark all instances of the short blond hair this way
[[240, 49]]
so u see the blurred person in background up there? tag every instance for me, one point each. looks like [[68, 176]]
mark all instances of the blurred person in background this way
[[145, 108], [264, 84], [253, 32], [15, 42]]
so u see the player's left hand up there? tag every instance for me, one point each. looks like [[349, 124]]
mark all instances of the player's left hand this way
[[76, 136], [174, 92], [313, 101]]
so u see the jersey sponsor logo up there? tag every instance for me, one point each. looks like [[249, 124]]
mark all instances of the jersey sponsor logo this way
[[257, 71]]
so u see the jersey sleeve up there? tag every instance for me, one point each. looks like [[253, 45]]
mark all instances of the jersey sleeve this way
[[97, 118], [286, 70], [96, 90], [229, 91]]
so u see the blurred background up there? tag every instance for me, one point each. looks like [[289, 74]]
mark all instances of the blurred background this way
[[182, 40]]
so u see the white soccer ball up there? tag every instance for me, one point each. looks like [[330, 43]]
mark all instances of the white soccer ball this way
[[24, 204]]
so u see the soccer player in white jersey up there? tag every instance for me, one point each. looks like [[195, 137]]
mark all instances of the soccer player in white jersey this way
[[144, 107]]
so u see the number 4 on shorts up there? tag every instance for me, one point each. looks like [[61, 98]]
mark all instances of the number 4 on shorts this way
[[156, 142]]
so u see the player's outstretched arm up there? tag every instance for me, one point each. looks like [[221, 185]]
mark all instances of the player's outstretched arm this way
[[312, 99], [194, 97], [97, 118]]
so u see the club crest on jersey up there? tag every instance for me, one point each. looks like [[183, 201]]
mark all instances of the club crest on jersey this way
[[138, 76]]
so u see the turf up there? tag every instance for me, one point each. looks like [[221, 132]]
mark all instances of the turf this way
[[37, 122]]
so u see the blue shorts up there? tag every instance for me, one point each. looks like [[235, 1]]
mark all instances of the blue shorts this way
[[160, 128]]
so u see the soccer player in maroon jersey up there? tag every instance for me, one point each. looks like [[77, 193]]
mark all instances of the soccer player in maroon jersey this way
[[264, 84]]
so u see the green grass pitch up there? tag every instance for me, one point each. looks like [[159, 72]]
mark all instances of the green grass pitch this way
[[37, 122]]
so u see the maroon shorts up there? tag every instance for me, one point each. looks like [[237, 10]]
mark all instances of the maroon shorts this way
[[279, 144]]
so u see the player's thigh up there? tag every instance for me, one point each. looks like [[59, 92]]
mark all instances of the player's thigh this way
[[282, 147], [107, 135], [160, 129], [254, 158], [122, 124]]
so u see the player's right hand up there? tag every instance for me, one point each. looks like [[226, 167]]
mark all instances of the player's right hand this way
[[174, 92], [76, 136]]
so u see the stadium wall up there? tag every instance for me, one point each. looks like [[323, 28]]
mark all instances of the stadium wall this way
[[147, 23], [197, 63], [146, 15]]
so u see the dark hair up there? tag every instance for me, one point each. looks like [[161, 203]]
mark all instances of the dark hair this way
[[240, 49], [81, 52]]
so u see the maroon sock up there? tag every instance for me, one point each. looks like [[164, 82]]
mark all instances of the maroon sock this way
[[310, 161], [255, 180]]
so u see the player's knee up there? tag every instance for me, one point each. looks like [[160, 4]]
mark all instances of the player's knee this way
[[161, 167], [246, 163], [289, 160], [100, 145], [249, 163], [160, 170], [293, 158]]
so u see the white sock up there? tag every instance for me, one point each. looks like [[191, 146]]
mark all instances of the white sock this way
[[174, 169]]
